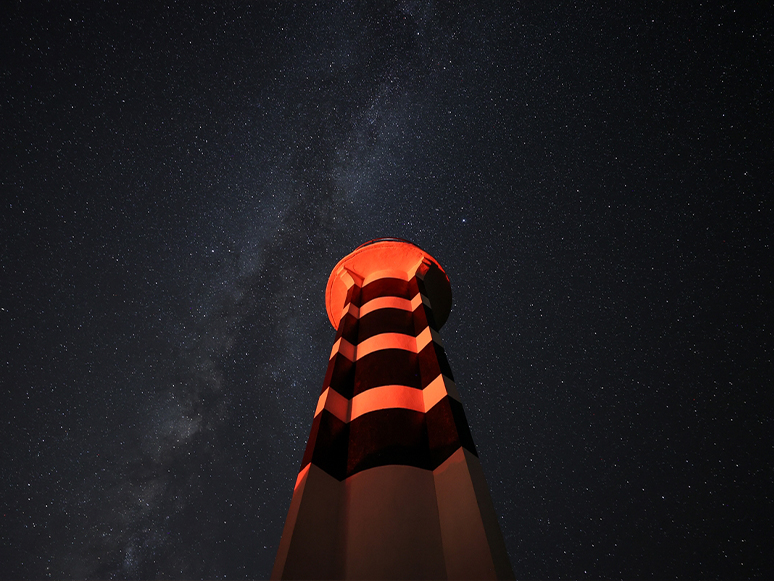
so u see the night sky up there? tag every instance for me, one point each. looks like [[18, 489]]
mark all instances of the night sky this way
[[178, 182]]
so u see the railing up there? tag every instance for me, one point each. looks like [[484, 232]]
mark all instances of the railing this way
[[385, 239]]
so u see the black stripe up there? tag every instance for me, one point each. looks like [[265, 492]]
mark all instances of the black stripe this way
[[386, 321], [348, 328], [386, 437], [353, 296], [431, 318], [432, 362], [387, 367], [413, 286], [385, 287], [327, 447], [390, 320], [428, 315], [447, 430], [340, 375], [423, 318]]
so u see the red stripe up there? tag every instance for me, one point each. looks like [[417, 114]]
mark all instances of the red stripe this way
[[385, 397], [385, 341]]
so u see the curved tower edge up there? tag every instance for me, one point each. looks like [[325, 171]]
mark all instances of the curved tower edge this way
[[387, 258]]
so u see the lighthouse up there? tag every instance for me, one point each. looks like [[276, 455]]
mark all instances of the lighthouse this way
[[390, 485]]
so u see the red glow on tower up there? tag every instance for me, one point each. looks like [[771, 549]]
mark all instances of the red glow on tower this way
[[390, 484]]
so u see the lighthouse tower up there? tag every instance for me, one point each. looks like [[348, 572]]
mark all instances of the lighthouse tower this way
[[390, 485]]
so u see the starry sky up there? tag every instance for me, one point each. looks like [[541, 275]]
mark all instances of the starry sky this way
[[177, 183]]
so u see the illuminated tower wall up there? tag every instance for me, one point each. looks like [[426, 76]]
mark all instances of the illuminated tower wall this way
[[390, 484]]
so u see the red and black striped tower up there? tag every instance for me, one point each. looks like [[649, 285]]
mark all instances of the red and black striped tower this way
[[390, 486]]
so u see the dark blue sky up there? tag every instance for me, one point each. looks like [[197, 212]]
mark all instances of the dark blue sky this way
[[177, 183]]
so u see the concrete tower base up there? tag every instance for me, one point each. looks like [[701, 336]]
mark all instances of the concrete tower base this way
[[394, 522]]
